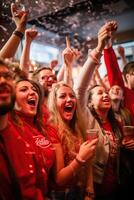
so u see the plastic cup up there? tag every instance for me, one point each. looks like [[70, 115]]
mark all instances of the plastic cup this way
[[128, 132], [19, 9], [91, 134]]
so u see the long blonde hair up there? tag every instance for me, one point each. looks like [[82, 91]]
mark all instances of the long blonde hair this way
[[77, 126]]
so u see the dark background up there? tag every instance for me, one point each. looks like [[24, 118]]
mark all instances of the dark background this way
[[80, 19]]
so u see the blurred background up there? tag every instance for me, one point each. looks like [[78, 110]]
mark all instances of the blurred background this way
[[79, 19]]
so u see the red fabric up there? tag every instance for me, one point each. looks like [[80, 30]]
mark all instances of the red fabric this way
[[115, 78], [51, 131], [44, 147], [32, 156], [46, 113], [24, 160]]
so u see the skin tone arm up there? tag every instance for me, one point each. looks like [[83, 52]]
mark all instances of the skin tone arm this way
[[92, 60], [69, 56], [53, 64], [9, 49], [60, 74], [65, 71], [30, 35], [63, 173], [121, 52], [98, 78]]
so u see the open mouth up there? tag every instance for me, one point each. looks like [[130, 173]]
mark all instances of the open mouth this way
[[106, 100], [68, 109], [31, 102]]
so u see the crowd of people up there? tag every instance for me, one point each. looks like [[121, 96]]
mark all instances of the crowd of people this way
[[45, 118]]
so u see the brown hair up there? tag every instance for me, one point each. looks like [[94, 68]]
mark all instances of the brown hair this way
[[128, 68], [114, 123], [38, 118]]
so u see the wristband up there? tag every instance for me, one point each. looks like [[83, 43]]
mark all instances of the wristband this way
[[80, 160], [19, 34]]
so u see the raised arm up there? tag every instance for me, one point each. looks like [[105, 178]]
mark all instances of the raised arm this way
[[89, 67], [113, 70], [121, 53], [30, 35], [69, 55], [20, 19], [60, 75]]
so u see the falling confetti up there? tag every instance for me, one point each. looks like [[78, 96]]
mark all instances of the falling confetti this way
[[80, 19]]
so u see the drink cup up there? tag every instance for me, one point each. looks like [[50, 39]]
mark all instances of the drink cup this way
[[91, 134], [128, 132], [19, 9]]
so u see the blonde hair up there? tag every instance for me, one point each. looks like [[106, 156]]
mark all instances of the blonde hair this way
[[77, 126]]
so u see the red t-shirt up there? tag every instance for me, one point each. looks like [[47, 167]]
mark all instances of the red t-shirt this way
[[46, 113], [18, 166], [43, 146]]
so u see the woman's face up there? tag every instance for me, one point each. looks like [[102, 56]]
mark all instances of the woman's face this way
[[100, 98], [66, 103], [116, 93], [26, 98]]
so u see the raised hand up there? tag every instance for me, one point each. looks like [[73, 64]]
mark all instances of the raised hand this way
[[19, 17], [111, 26], [31, 34], [104, 34], [69, 53], [121, 51], [53, 63]]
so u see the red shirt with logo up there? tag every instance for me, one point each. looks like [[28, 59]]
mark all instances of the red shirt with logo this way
[[32, 157], [19, 164]]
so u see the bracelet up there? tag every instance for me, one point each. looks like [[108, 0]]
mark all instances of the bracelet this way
[[19, 34], [90, 194], [79, 160]]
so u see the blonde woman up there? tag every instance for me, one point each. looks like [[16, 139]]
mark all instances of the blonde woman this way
[[72, 153]]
